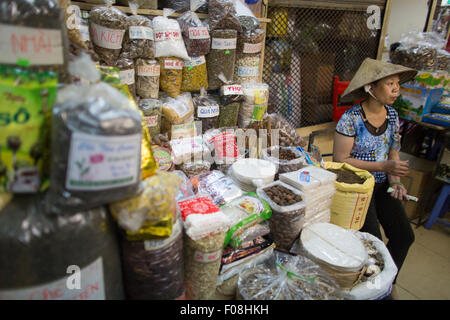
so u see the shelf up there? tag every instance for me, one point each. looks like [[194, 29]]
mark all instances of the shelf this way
[[149, 12]]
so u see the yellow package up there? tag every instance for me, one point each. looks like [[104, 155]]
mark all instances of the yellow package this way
[[152, 213], [351, 201]]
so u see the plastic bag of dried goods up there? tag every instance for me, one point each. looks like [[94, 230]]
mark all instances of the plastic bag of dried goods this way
[[195, 74], [147, 78], [223, 15], [171, 75], [168, 39]]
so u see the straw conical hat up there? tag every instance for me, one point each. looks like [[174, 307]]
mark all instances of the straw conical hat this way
[[372, 70]]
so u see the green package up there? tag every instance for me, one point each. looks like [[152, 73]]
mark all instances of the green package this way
[[26, 100]]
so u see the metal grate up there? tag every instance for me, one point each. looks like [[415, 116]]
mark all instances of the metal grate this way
[[305, 49]]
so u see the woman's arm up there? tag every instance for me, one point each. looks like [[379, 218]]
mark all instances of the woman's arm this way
[[399, 189], [341, 153]]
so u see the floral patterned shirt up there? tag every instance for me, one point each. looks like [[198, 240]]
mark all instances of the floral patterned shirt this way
[[367, 146]]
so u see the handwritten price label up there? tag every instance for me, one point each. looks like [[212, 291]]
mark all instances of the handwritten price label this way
[[252, 47], [126, 76], [149, 71], [224, 44], [164, 35], [173, 64], [207, 257], [232, 89], [139, 32], [198, 33], [107, 38]]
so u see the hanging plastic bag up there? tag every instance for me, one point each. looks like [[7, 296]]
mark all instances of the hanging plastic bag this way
[[254, 106], [222, 15], [195, 33], [206, 110], [286, 277], [182, 5], [151, 212], [127, 74], [195, 74], [171, 75], [107, 27], [147, 78], [93, 127], [139, 39], [168, 39], [26, 101], [231, 96]]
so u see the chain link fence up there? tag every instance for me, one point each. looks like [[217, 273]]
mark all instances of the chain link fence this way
[[305, 49]]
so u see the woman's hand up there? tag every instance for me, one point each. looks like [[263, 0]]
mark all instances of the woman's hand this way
[[399, 192], [395, 167]]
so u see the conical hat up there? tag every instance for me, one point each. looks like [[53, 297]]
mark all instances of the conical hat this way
[[372, 70]]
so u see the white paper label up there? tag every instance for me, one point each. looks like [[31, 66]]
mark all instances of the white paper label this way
[[84, 31], [207, 257], [165, 35], [194, 62], [232, 89], [248, 71], [223, 44], [182, 109], [102, 162], [198, 33], [140, 32], [91, 287], [149, 70], [208, 111], [126, 76], [106, 37], [151, 121], [38, 46], [252, 47], [173, 64]]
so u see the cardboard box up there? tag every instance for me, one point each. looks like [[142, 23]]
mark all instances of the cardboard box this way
[[415, 102]]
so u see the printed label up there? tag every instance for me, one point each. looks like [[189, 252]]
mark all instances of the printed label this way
[[163, 157], [201, 205], [151, 121], [106, 38], [38, 46], [91, 287], [252, 47], [156, 244], [84, 31], [223, 44], [102, 162], [232, 89], [248, 71], [261, 96], [141, 32], [184, 130], [149, 70], [164, 35], [194, 62], [182, 109], [251, 204], [207, 257], [208, 111], [304, 177], [198, 33], [173, 64], [226, 146], [126, 76]]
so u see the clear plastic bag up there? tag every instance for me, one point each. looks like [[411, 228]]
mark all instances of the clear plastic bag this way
[[231, 96], [139, 39], [127, 73], [185, 188], [168, 39], [195, 74], [152, 211], [148, 73], [37, 249], [206, 110], [286, 277], [254, 106], [187, 149], [192, 169], [183, 5], [287, 220], [221, 191], [287, 159], [223, 15], [177, 110], [195, 33], [152, 110], [246, 68], [171, 75], [249, 234], [107, 27]]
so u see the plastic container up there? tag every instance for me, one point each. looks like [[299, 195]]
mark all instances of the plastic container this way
[[272, 154], [309, 178]]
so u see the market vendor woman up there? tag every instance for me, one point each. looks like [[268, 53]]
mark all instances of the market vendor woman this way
[[367, 137]]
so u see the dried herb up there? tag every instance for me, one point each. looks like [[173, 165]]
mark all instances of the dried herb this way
[[246, 68], [127, 74], [347, 176], [147, 78], [195, 34], [206, 110], [171, 75], [152, 110], [195, 75], [223, 15]]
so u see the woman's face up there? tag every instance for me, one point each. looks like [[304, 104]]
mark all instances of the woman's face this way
[[387, 89]]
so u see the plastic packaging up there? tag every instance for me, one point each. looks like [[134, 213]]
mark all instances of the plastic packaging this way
[[287, 220], [231, 96], [152, 110], [223, 15], [185, 130], [26, 99], [177, 110], [147, 78], [185, 190], [309, 178], [254, 106], [154, 269], [221, 191], [152, 211], [245, 212], [38, 248], [223, 145], [37, 19], [95, 116], [187, 149], [171, 75], [222, 57], [73, 33], [249, 173], [205, 179], [127, 74], [168, 39], [206, 110], [249, 234], [286, 277], [195, 33], [163, 157], [107, 27], [195, 74], [192, 169], [287, 159], [139, 39], [182, 5], [246, 68]]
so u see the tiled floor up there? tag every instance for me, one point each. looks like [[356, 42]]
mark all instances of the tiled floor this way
[[425, 274]]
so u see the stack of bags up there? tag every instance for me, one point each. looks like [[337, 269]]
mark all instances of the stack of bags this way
[[317, 184]]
